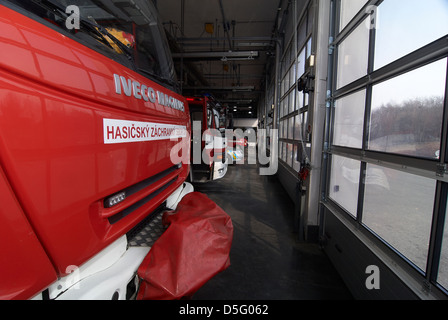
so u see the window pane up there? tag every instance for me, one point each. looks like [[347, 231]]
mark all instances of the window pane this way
[[301, 33], [291, 128], [407, 112], [442, 277], [298, 127], [285, 106], [282, 88], [289, 56], [402, 22], [285, 129], [308, 47], [284, 157], [280, 150], [292, 99], [349, 120], [280, 129], [141, 37], [300, 154], [295, 161], [305, 133], [293, 73], [289, 150], [301, 64], [398, 207], [344, 183], [310, 19], [280, 109], [306, 99], [353, 56], [349, 8], [286, 79], [299, 100]]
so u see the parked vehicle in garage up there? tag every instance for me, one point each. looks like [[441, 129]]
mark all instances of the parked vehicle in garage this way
[[208, 150], [235, 156]]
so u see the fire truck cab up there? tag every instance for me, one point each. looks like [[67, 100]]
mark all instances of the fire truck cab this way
[[89, 113]]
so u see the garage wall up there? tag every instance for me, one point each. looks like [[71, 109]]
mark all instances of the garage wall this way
[[352, 256], [245, 123], [385, 148], [301, 113]]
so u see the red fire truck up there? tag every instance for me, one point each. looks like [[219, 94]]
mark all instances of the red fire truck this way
[[209, 146], [89, 112]]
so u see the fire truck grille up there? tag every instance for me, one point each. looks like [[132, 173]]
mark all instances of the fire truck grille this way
[[148, 231], [117, 217]]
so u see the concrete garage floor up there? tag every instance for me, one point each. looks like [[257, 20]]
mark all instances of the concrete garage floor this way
[[267, 260]]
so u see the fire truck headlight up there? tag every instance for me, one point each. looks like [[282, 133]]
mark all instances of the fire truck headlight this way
[[115, 199]]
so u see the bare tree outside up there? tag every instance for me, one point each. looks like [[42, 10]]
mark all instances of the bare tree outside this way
[[412, 127]]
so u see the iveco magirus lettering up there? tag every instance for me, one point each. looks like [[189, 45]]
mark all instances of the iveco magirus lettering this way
[[140, 91]]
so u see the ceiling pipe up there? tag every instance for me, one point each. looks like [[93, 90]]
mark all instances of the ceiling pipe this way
[[218, 55], [202, 39], [186, 65], [225, 24]]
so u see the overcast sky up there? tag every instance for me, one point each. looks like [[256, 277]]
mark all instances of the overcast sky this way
[[404, 26]]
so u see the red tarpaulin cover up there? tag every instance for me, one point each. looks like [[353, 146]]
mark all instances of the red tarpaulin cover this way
[[193, 249]]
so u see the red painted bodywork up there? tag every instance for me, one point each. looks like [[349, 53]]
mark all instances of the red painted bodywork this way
[[174, 268], [55, 168], [24, 264]]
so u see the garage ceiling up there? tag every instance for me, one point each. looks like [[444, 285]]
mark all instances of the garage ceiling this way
[[223, 47]]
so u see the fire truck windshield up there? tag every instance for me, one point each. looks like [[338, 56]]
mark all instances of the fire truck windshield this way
[[127, 31]]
